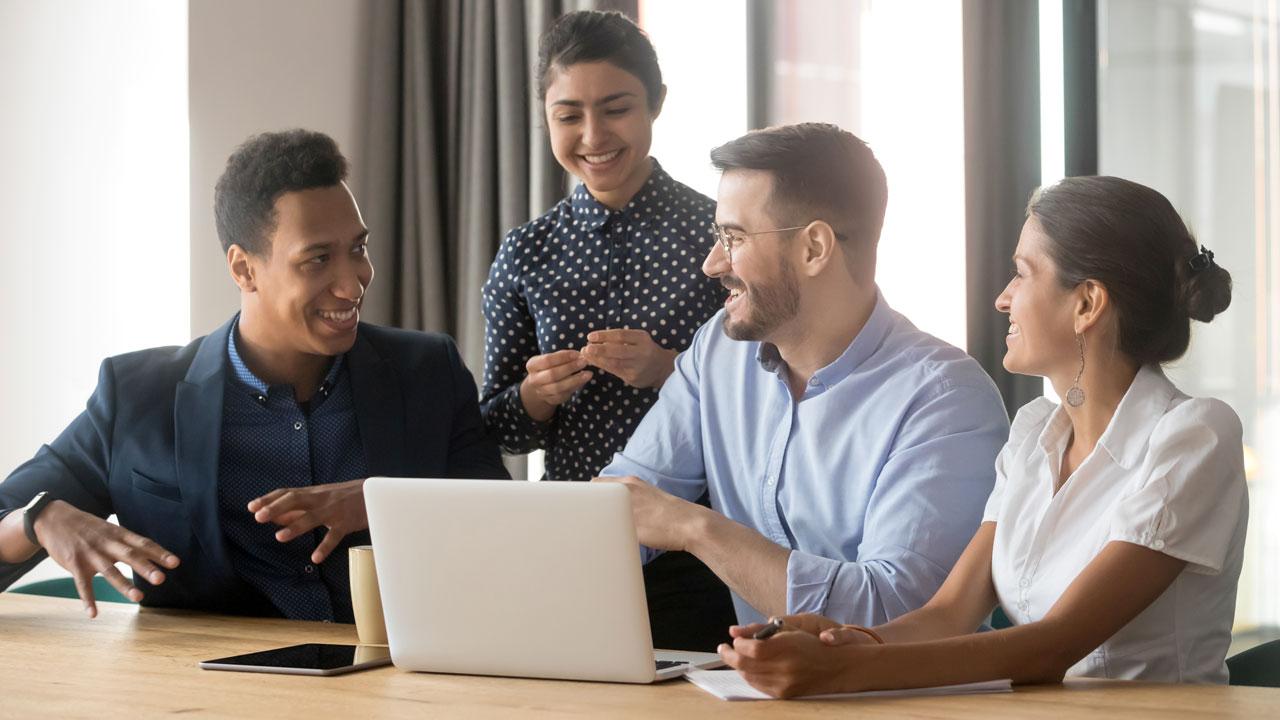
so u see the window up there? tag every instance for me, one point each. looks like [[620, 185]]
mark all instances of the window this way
[[1189, 103], [95, 198], [889, 72]]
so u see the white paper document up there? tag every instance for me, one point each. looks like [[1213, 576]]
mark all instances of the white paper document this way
[[730, 685]]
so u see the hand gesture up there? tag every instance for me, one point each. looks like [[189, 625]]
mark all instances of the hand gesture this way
[[632, 355], [86, 545], [337, 506], [553, 378]]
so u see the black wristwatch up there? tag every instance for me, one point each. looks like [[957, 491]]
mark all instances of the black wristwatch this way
[[31, 512]]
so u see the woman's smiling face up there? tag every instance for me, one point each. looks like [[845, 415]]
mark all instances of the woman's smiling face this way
[[601, 128], [1041, 337]]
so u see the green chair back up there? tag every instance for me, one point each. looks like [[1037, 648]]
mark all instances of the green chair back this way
[[999, 620], [66, 588], [1259, 666]]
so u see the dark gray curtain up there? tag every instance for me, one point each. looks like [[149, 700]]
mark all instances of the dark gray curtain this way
[[1080, 86], [1002, 167], [457, 154]]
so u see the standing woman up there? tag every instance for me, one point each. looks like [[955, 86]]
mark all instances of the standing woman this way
[[588, 305], [1115, 533]]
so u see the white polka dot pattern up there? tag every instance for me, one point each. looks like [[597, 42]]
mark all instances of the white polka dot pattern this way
[[584, 267]]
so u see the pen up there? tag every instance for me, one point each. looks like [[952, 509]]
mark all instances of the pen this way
[[769, 630]]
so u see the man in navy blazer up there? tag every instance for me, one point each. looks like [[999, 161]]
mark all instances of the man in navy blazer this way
[[235, 464]]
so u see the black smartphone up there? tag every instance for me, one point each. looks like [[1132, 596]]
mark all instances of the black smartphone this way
[[308, 659]]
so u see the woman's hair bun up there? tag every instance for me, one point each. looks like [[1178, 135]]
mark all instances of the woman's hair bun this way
[[1206, 291]]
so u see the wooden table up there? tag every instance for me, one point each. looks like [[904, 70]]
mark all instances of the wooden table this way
[[54, 662]]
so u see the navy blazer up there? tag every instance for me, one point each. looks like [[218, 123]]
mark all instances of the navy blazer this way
[[146, 449]]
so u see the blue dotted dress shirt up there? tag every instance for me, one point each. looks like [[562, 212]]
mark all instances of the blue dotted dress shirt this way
[[582, 267], [269, 441]]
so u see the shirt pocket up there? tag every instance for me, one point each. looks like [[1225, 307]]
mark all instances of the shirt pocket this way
[[155, 488]]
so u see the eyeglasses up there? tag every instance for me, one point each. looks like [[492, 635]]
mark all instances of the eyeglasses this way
[[729, 239]]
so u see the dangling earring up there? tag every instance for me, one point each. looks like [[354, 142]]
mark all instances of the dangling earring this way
[[1075, 396]]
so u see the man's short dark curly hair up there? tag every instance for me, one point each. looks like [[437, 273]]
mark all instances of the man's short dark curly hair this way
[[265, 167]]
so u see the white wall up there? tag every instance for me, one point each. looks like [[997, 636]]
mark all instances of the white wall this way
[[260, 66], [93, 195], [109, 211]]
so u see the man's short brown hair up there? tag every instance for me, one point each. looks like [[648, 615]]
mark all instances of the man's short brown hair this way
[[820, 172]]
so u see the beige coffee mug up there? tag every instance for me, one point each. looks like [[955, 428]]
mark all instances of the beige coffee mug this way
[[366, 601]]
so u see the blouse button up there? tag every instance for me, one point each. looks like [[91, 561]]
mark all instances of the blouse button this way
[[1024, 582], [1158, 545], [297, 425]]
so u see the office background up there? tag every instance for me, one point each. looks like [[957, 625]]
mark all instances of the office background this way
[[118, 116]]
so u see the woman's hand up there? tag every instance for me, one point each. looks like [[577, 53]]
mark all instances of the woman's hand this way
[[794, 663], [846, 635], [806, 623], [632, 355], [553, 378]]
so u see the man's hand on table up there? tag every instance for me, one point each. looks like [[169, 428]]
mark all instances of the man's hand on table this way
[[86, 545], [337, 506]]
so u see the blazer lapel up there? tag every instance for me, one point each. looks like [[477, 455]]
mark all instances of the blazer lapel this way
[[197, 432], [379, 407]]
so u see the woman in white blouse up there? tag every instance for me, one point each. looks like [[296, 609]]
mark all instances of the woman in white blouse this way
[[1115, 533]]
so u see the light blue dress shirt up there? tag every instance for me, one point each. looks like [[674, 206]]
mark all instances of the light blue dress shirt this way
[[875, 479]]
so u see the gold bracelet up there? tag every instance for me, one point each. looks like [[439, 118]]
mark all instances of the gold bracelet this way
[[868, 631]]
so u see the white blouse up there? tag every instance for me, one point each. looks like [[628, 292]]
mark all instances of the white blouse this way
[[1168, 474]]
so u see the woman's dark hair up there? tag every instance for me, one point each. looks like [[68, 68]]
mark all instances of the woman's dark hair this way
[[265, 167], [1129, 238], [592, 36]]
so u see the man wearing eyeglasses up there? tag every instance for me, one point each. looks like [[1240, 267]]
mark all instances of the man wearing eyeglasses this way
[[847, 454]]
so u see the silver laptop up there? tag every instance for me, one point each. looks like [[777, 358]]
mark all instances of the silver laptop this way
[[501, 577]]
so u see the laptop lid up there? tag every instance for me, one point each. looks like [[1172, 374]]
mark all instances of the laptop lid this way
[[498, 577]]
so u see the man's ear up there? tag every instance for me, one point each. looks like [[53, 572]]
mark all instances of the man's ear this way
[[818, 242], [241, 267]]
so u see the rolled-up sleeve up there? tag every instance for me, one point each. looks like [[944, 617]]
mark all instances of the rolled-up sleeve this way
[[927, 503]]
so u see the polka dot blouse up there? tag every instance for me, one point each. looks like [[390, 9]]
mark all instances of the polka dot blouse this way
[[584, 267]]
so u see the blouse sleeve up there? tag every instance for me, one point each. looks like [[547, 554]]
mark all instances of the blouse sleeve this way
[[510, 340], [1026, 427], [1193, 496]]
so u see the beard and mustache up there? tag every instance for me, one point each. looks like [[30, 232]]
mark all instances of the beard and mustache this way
[[771, 303]]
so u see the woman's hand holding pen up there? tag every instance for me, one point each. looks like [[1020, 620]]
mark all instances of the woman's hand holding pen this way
[[632, 355], [553, 378], [796, 655], [792, 663]]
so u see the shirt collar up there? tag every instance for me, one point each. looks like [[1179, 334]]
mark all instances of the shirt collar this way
[[592, 214], [1126, 436], [863, 346], [1142, 406], [259, 386]]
